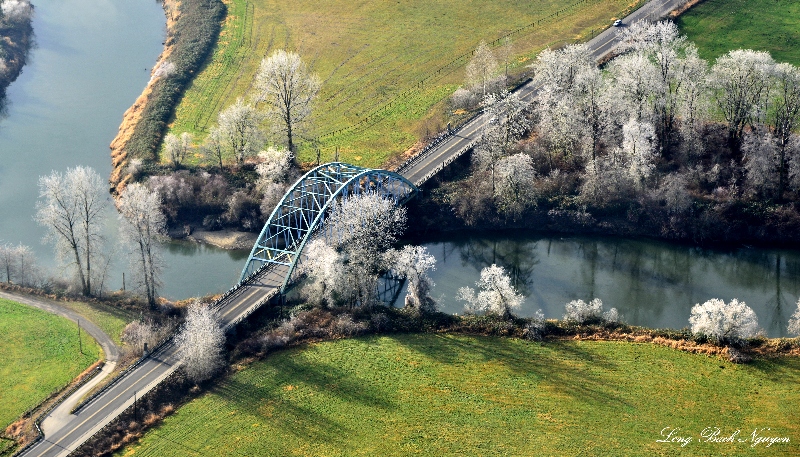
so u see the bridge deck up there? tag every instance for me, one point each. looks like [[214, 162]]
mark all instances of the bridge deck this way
[[235, 307]]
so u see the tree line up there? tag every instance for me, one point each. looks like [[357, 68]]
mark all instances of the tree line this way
[[657, 138], [16, 37]]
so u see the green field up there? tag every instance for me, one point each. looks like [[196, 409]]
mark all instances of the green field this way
[[719, 26], [369, 54], [458, 395], [112, 320], [40, 354]]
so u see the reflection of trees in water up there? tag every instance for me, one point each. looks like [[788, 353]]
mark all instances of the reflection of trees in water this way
[[775, 274], [518, 257]]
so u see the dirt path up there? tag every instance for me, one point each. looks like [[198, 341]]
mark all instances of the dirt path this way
[[61, 414]]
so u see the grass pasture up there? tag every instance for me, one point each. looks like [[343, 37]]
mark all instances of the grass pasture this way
[[371, 55], [111, 319], [40, 354], [719, 26], [439, 395]]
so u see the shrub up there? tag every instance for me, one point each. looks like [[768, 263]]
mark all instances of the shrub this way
[[580, 312], [534, 330], [724, 323]]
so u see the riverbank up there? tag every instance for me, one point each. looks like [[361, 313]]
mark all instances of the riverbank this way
[[192, 29], [16, 34]]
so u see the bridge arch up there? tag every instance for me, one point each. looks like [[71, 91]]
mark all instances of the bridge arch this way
[[303, 209]]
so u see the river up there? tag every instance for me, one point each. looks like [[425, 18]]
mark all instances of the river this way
[[94, 57]]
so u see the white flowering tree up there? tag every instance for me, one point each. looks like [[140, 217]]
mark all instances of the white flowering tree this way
[[413, 263], [514, 191], [238, 132], [580, 312], [200, 342], [495, 295], [723, 322], [142, 225], [177, 147], [288, 89]]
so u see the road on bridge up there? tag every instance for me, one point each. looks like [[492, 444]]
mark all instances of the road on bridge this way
[[425, 166], [151, 371], [245, 299]]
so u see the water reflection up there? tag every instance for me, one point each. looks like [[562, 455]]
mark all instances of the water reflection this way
[[651, 283]]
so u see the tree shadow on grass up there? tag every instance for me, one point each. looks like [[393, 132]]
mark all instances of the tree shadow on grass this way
[[568, 368], [320, 378]]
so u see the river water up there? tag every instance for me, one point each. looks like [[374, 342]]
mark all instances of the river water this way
[[93, 59]]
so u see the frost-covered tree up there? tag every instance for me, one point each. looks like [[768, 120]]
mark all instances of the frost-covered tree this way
[[635, 83], [559, 69], [200, 342], [762, 161], [71, 208], [510, 112], [794, 321], [638, 147], [495, 295], [214, 147], [785, 117], [16, 11], [741, 80], [490, 150], [723, 322], [362, 228], [515, 191], [322, 264], [177, 147], [288, 89], [413, 263], [580, 312], [273, 165], [482, 69], [142, 224], [238, 131]]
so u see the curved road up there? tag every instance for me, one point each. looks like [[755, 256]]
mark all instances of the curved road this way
[[61, 414], [121, 394]]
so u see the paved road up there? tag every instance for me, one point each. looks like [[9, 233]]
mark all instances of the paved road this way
[[115, 399], [467, 136], [61, 414]]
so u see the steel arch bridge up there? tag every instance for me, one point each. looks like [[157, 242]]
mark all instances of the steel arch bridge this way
[[302, 211]]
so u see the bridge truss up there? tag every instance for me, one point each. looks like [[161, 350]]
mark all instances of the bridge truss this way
[[302, 211]]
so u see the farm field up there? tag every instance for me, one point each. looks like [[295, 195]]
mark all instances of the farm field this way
[[40, 354], [719, 26], [436, 395], [368, 59]]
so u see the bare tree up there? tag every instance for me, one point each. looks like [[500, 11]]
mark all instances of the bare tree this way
[[177, 148], [8, 263], [490, 150], [482, 69], [510, 112], [638, 148], [70, 208], [200, 342], [239, 133], [794, 321], [496, 295], [142, 223], [213, 148], [741, 82], [289, 89]]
